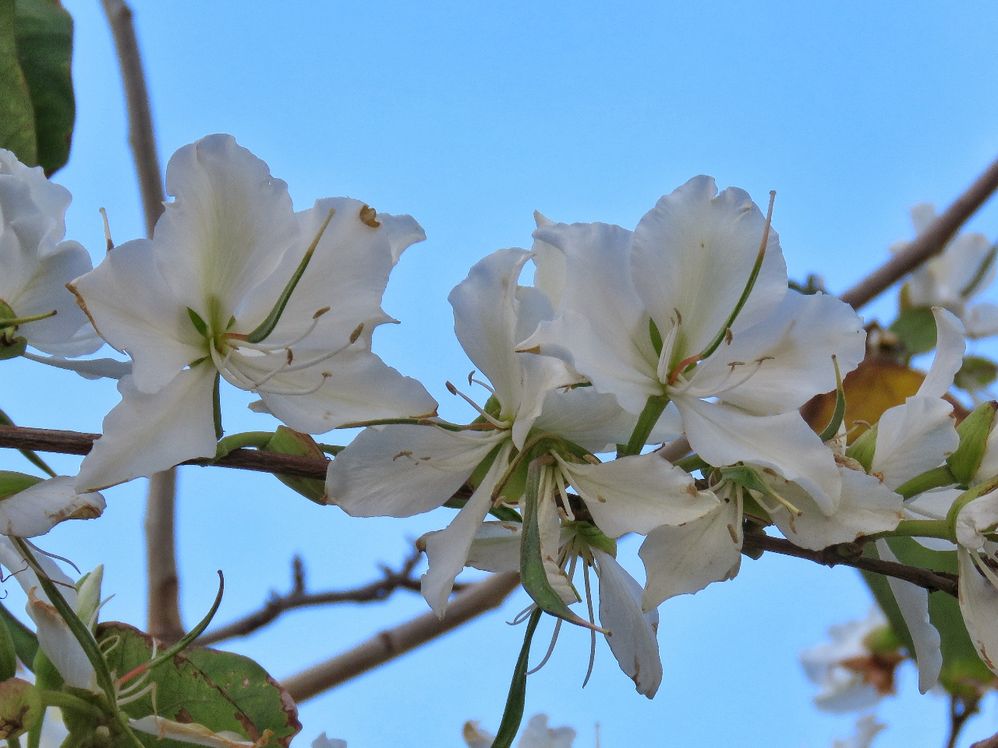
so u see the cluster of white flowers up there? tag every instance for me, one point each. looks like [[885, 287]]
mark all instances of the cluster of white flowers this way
[[681, 332]]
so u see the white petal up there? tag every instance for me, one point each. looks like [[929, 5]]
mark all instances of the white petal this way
[[631, 633], [496, 547], [603, 329], [694, 252], [950, 347], [913, 602], [60, 645], [145, 433], [36, 510], [538, 735], [975, 520], [638, 494], [96, 368], [725, 435], [979, 605], [447, 550], [398, 471], [686, 558], [134, 311], [359, 387], [227, 229], [866, 507], [981, 320], [912, 438], [789, 352]]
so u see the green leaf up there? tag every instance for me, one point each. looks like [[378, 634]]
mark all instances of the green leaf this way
[[219, 690], [916, 329], [963, 673], [976, 373], [12, 483], [25, 642], [513, 713], [8, 652], [17, 115], [44, 34]]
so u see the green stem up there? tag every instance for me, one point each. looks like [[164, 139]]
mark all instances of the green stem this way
[[69, 702], [921, 528], [935, 478], [15, 321], [965, 498], [693, 462], [257, 439], [652, 411]]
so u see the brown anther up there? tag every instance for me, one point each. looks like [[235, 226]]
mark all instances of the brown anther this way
[[369, 217]]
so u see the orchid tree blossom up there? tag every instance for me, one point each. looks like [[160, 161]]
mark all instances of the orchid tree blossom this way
[[234, 285], [35, 307], [534, 411], [953, 277], [691, 311]]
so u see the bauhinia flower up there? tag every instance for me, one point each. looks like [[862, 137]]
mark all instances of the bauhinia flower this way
[[408, 469], [951, 278], [234, 285], [35, 307], [691, 311]]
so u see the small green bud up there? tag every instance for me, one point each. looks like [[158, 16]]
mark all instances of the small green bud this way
[[88, 595], [287, 441], [20, 707], [862, 450], [974, 431]]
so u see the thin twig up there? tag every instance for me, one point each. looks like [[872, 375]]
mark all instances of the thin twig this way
[[163, 596], [991, 742], [298, 597], [960, 710], [842, 555], [477, 599], [926, 244]]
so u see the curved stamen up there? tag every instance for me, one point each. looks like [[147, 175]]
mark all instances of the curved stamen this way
[[592, 620], [478, 409]]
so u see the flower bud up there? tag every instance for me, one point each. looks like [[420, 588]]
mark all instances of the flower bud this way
[[974, 431], [20, 707], [287, 441]]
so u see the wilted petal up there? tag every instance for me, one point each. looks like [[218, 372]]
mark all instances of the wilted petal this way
[[36, 510], [638, 494], [398, 471], [631, 632], [913, 602], [60, 645], [686, 558], [189, 732], [147, 433]]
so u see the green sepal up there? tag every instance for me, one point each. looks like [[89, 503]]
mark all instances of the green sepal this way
[[974, 431], [533, 576], [839, 412], [513, 713], [24, 639], [863, 449], [592, 537], [287, 441], [199, 324], [656, 336]]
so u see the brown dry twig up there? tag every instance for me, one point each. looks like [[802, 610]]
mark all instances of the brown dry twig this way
[[299, 597]]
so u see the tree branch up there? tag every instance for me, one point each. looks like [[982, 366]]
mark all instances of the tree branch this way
[[926, 244], [298, 598], [163, 598], [477, 599], [848, 554]]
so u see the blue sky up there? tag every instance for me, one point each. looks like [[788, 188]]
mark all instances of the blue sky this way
[[469, 116]]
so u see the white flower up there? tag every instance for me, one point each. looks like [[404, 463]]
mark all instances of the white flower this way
[[648, 316], [848, 673], [38, 508], [207, 297], [403, 470], [951, 278], [537, 735], [35, 306]]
